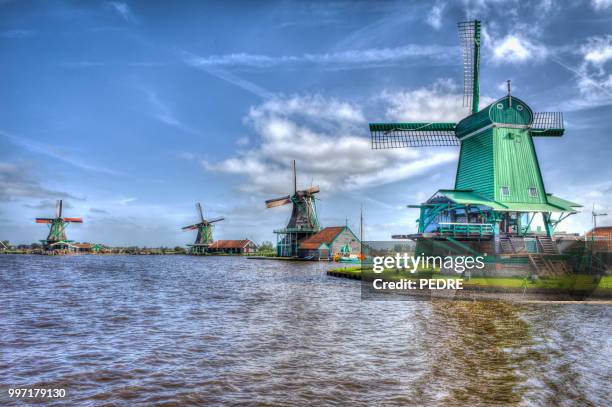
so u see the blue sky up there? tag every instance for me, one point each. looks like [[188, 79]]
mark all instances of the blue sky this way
[[133, 111]]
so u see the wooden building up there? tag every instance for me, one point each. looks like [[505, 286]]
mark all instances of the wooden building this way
[[83, 247], [232, 246], [601, 237], [329, 242]]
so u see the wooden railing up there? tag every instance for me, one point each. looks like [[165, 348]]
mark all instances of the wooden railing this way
[[465, 229]]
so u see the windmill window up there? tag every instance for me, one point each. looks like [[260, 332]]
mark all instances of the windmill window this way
[[505, 191], [519, 108], [533, 192], [500, 106]]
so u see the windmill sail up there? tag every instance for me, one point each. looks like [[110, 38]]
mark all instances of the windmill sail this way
[[469, 37], [312, 190], [547, 124], [413, 134], [273, 203], [199, 210], [398, 135]]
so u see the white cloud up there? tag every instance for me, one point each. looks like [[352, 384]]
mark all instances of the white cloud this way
[[334, 60], [442, 103], [17, 182], [513, 48], [434, 18], [223, 74], [328, 139], [164, 113], [122, 9], [599, 5], [242, 141], [311, 106], [598, 50], [124, 201], [593, 79]]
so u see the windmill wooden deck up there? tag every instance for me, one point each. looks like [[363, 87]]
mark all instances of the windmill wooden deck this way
[[499, 188]]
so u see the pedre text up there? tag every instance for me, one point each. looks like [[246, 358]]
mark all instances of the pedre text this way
[[402, 261]]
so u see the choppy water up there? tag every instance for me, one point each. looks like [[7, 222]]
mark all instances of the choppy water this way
[[178, 330]]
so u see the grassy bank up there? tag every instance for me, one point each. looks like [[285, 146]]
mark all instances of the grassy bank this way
[[579, 281]]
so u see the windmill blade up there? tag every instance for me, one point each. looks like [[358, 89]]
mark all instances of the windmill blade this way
[[191, 227], [469, 37], [273, 203], [73, 220], [311, 190], [199, 210], [294, 179], [547, 124], [44, 220], [397, 135], [58, 208], [220, 218]]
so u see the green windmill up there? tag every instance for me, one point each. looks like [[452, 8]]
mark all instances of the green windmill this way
[[499, 189], [57, 228], [303, 222], [204, 228]]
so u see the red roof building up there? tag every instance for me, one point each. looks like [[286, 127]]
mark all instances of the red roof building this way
[[328, 242], [600, 232], [232, 246], [601, 237]]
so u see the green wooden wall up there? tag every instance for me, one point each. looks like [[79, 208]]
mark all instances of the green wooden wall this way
[[511, 115], [475, 168], [516, 166]]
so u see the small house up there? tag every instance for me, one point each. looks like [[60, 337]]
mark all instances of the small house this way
[[329, 242], [232, 246], [601, 237], [82, 247]]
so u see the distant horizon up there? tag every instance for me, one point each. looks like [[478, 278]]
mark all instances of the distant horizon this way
[[131, 112]]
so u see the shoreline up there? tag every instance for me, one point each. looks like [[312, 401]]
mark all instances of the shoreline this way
[[485, 288]]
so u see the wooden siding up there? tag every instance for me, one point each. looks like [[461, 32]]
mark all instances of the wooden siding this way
[[473, 123], [475, 168], [516, 167], [491, 114], [510, 115], [345, 237]]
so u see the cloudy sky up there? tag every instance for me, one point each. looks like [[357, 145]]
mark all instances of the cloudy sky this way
[[133, 111]]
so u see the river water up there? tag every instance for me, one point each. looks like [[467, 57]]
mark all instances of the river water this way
[[180, 330]]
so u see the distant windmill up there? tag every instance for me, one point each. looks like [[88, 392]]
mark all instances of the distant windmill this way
[[204, 228], [303, 222], [57, 228]]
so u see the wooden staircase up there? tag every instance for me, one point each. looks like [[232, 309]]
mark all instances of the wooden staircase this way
[[506, 245], [545, 267], [547, 245]]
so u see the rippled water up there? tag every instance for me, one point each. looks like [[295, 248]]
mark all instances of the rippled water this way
[[177, 330]]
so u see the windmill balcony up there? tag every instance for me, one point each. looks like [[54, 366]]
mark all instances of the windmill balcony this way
[[476, 230], [297, 230]]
